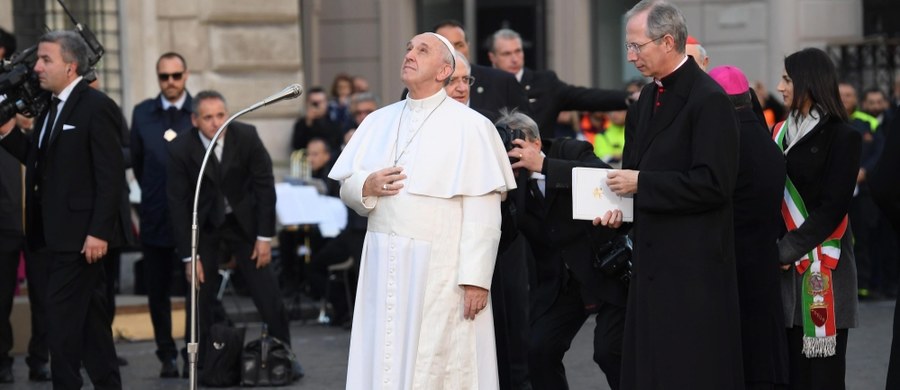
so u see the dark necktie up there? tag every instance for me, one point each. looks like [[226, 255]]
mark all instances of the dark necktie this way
[[173, 116], [51, 123], [536, 190]]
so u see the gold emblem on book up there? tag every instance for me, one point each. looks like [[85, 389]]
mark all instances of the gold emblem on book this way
[[598, 192]]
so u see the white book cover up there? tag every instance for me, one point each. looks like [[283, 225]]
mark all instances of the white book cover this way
[[591, 197]]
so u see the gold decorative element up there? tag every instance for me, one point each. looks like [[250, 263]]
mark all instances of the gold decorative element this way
[[598, 192]]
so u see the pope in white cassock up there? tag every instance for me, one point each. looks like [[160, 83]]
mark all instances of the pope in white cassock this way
[[429, 173]]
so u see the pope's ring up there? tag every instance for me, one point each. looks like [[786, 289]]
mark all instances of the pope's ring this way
[[384, 186]]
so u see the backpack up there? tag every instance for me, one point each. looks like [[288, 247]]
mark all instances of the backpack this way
[[221, 364]]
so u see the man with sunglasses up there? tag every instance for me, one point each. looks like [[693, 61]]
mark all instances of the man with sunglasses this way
[[156, 122], [547, 94]]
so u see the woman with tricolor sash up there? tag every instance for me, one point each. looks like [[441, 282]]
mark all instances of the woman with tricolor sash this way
[[819, 280]]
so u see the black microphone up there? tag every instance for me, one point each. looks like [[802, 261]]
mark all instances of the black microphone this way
[[290, 92]]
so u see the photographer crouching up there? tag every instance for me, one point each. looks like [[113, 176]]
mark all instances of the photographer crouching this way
[[575, 273]]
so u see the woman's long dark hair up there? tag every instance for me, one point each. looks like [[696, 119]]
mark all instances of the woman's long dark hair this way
[[815, 78]]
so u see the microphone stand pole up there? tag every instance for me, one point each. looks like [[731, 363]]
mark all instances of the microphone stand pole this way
[[192, 345]]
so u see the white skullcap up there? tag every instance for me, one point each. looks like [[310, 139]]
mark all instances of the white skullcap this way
[[449, 48]]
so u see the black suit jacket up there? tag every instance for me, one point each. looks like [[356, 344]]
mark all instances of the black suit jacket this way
[[548, 96], [244, 177], [494, 90], [82, 180], [560, 243], [684, 264]]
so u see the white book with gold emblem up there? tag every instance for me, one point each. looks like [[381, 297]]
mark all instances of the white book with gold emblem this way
[[591, 197]]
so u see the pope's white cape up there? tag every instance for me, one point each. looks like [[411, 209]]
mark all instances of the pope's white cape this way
[[440, 232]]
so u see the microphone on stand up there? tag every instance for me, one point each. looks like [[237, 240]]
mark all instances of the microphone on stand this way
[[289, 92]]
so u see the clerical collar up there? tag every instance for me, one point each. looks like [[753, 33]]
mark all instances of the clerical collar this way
[[427, 103], [519, 74], [178, 103], [659, 82]]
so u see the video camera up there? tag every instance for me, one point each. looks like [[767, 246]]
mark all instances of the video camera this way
[[20, 85]]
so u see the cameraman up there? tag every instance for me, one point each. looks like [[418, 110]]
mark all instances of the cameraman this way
[[315, 124], [565, 285]]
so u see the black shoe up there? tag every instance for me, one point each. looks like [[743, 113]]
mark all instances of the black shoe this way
[[122, 362], [6, 375], [169, 369], [39, 373], [297, 370]]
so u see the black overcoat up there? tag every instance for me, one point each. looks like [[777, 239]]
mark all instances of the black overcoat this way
[[757, 224], [682, 323]]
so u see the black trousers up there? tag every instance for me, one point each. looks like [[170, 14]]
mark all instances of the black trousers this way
[[509, 300], [337, 250], [816, 373], [36, 274], [553, 331], [217, 247], [78, 330], [159, 266], [111, 264]]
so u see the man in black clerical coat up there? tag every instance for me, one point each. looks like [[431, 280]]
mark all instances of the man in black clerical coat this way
[[680, 163]]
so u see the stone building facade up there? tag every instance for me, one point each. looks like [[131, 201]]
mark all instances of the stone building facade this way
[[249, 49]]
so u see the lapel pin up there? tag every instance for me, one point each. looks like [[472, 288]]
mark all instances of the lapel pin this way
[[169, 135]]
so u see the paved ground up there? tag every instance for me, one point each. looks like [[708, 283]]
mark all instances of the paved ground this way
[[323, 353]]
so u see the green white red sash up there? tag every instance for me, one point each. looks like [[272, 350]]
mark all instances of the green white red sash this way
[[819, 331]]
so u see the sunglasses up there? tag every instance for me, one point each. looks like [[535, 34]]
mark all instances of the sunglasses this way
[[174, 76]]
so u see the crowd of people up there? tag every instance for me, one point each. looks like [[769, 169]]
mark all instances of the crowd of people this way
[[758, 225]]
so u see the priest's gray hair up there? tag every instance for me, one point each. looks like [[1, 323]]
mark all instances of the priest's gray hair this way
[[702, 51], [663, 18], [503, 33], [517, 120], [461, 59]]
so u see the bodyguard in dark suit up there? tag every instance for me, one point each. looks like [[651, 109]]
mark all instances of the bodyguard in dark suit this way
[[565, 287], [547, 95], [74, 188], [155, 123], [236, 213], [682, 326]]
